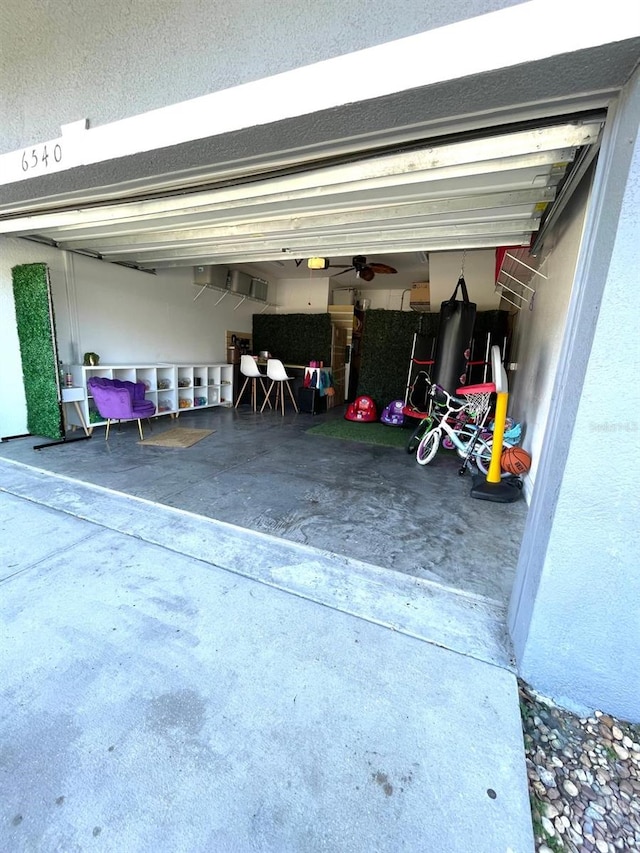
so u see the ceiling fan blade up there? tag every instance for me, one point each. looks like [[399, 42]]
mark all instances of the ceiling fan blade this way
[[366, 273], [383, 269], [348, 269]]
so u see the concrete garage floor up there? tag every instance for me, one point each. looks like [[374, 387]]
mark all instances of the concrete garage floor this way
[[265, 473], [170, 682]]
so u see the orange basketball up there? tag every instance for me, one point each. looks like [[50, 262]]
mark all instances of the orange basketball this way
[[515, 460]]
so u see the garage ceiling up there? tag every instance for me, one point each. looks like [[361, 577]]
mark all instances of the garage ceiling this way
[[463, 194]]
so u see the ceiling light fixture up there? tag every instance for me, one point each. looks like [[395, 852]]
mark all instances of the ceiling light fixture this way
[[318, 263]]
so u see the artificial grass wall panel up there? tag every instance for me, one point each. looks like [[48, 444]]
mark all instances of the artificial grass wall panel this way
[[386, 352], [38, 351], [293, 338], [386, 348]]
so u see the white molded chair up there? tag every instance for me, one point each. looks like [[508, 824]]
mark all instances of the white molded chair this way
[[278, 376], [250, 369]]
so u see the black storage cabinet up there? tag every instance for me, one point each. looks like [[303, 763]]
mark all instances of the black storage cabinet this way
[[311, 401]]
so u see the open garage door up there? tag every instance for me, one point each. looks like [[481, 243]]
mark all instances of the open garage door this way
[[461, 193]]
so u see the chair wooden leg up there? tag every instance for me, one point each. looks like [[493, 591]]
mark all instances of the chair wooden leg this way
[[106, 435], [241, 393], [264, 391], [266, 399], [254, 395], [293, 400], [140, 429]]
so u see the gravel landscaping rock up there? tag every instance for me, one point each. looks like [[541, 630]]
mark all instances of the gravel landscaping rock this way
[[584, 778]]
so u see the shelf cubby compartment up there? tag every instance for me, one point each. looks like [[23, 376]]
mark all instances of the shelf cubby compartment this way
[[200, 377], [165, 378], [124, 374], [185, 377], [226, 385], [166, 403], [213, 377], [167, 396], [185, 399], [148, 376]]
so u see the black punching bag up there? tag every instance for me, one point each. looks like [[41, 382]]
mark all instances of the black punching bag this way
[[457, 317]]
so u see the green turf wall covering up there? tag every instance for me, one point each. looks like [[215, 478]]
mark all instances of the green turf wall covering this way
[[293, 338], [386, 352], [387, 343], [34, 316]]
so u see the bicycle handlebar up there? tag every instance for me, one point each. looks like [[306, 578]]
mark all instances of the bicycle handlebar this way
[[449, 398]]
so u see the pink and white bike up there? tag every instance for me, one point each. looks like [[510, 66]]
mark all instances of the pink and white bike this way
[[460, 424]]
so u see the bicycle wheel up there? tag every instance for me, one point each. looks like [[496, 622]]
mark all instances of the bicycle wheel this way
[[428, 447], [482, 456], [423, 426]]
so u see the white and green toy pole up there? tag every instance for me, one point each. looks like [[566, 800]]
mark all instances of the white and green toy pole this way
[[493, 487]]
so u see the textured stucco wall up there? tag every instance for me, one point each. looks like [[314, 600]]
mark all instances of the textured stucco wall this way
[[576, 624], [106, 61]]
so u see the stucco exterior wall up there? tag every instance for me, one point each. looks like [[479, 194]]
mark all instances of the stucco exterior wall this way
[[107, 61], [575, 614]]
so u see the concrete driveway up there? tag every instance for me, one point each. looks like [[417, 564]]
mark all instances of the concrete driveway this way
[[173, 683]]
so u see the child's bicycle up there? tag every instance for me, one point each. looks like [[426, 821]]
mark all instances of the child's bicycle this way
[[436, 405], [462, 424]]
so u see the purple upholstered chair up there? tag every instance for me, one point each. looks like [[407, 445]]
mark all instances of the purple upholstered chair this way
[[118, 400]]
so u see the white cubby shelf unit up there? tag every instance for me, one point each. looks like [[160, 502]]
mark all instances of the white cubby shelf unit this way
[[173, 388]]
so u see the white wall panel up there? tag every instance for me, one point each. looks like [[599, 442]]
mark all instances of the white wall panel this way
[[479, 274], [302, 295]]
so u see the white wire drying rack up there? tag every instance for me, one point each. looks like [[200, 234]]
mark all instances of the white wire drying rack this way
[[513, 282]]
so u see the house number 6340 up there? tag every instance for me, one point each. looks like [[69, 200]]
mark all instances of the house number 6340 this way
[[40, 157]]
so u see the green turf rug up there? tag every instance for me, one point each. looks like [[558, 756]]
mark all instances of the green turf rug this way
[[367, 433]]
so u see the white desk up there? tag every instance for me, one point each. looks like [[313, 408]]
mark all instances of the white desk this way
[[76, 396]]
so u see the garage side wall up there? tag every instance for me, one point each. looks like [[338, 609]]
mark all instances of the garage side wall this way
[[539, 331], [575, 612], [124, 315]]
